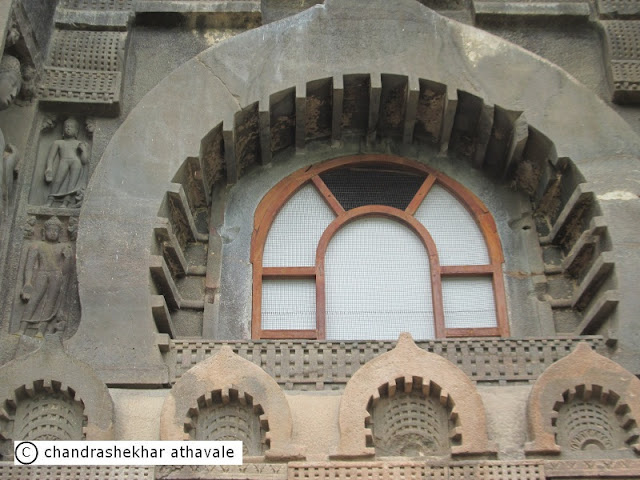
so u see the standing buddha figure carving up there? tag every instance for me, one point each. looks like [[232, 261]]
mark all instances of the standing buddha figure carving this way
[[45, 278], [10, 83], [66, 167]]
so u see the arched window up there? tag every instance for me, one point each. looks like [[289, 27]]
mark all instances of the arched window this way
[[369, 246]]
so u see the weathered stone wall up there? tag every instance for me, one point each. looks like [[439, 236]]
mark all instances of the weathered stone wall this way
[[189, 115]]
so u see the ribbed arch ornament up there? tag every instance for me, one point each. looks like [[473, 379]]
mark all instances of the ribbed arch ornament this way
[[432, 252]]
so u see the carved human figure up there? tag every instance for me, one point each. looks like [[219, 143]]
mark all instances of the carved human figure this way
[[10, 80], [47, 270], [10, 83], [65, 168]]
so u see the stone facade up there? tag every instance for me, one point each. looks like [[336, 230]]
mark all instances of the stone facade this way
[[149, 148]]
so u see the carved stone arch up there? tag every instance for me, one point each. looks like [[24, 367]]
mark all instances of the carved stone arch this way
[[467, 94], [228, 377], [46, 409], [586, 375], [50, 372], [413, 366]]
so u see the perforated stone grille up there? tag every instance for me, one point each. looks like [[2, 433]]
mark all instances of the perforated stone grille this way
[[624, 39], [303, 365], [626, 75], [80, 86], [97, 4], [230, 422], [409, 424], [9, 472], [87, 50], [531, 470], [48, 416]]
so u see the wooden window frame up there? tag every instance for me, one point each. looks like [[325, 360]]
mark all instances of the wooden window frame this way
[[279, 195]]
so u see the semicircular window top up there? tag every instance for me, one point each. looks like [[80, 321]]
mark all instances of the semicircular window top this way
[[370, 246]]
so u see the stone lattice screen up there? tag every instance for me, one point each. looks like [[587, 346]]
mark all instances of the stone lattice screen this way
[[306, 365]]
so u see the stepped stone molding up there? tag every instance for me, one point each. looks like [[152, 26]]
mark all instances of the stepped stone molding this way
[[586, 374], [230, 377], [414, 366], [218, 83], [51, 369], [306, 365], [491, 138]]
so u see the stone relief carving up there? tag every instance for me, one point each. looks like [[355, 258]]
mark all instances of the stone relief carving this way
[[65, 169], [50, 395], [10, 83], [410, 424], [62, 167], [49, 416], [45, 278], [584, 402], [237, 420], [226, 378], [408, 368], [588, 425]]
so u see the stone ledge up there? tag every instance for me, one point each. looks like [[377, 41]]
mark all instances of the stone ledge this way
[[491, 10], [195, 6], [93, 20]]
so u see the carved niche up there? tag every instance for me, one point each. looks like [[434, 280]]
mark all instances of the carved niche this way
[[410, 420], [584, 403], [46, 291], [229, 415], [588, 422], [41, 410], [49, 415], [63, 163], [226, 397], [65, 401], [411, 402]]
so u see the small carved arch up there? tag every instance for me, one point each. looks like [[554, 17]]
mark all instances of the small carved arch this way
[[594, 385], [414, 367], [73, 384], [592, 418], [411, 417], [229, 414], [224, 378], [43, 410]]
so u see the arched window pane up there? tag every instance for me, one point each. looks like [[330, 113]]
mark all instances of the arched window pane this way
[[296, 230], [457, 237], [377, 282], [468, 302], [289, 304]]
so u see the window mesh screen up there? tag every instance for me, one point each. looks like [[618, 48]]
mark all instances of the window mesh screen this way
[[458, 239], [296, 230], [357, 187], [468, 302], [289, 304], [377, 283]]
